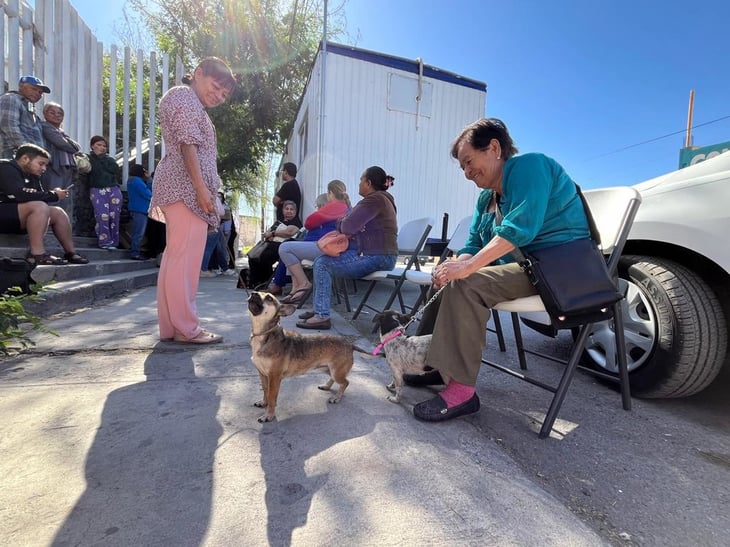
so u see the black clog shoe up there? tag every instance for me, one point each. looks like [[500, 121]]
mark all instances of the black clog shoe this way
[[435, 410]]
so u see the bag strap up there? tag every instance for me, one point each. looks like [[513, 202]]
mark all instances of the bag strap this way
[[595, 234]]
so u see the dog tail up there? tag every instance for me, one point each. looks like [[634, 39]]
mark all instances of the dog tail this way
[[368, 353]]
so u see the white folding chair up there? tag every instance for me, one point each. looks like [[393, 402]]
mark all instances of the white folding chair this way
[[411, 239], [613, 210], [422, 278]]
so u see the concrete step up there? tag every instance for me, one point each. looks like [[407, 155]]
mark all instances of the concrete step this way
[[82, 293], [109, 274], [70, 272], [20, 241]]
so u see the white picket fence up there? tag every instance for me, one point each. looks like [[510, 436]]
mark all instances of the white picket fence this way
[[53, 43]]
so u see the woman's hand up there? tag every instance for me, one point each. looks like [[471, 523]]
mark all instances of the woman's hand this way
[[205, 199], [450, 270]]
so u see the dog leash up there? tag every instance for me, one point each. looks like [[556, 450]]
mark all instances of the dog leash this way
[[400, 330]]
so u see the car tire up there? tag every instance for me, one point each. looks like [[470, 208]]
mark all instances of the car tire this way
[[675, 330]]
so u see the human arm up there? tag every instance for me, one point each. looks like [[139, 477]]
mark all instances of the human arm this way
[[59, 139], [10, 105], [283, 230], [15, 188], [204, 196], [327, 213], [288, 191], [467, 264], [139, 188], [286, 231], [355, 221]]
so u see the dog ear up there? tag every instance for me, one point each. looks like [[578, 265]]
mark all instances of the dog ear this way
[[286, 310], [402, 318], [376, 317]]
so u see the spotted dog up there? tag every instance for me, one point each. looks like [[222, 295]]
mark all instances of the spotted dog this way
[[405, 354]]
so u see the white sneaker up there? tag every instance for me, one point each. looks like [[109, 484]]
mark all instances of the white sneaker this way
[[228, 272], [207, 273]]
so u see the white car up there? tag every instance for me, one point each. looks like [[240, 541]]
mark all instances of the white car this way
[[676, 267]]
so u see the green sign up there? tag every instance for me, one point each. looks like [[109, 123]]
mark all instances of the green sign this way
[[696, 154]]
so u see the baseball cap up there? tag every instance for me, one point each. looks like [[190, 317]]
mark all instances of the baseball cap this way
[[32, 80]]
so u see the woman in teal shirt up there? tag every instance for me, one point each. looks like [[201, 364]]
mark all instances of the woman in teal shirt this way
[[529, 202]]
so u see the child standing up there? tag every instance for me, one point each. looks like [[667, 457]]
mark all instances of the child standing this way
[[140, 193]]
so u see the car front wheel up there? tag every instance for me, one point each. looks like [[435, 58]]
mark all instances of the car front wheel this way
[[675, 330]]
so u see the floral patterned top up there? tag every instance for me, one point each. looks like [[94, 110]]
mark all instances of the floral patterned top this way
[[184, 121]]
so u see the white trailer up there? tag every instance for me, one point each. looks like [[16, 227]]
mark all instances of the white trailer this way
[[362, 108]]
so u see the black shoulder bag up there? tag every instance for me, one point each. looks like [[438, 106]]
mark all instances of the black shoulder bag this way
[[572, 278]]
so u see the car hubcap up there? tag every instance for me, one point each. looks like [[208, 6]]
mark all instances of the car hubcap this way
[[640, 329]]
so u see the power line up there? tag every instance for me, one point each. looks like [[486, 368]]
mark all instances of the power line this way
[[657, 138]]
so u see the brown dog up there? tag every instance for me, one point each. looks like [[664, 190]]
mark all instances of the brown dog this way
[[405, 354], [279, 353]]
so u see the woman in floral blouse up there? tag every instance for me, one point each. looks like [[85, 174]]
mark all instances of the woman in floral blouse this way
[[184, 195]]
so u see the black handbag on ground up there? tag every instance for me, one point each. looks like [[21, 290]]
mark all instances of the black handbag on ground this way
[[572, 278], [15, 272], [257, 250]]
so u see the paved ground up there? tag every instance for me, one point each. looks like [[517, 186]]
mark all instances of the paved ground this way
[[112, 437]]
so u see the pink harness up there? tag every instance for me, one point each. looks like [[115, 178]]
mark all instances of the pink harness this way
[[392, 336]]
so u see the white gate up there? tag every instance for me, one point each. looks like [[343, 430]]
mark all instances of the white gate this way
[[54, 44]]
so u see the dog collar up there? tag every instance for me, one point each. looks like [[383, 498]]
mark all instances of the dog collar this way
[[254, 334], [393, 335]]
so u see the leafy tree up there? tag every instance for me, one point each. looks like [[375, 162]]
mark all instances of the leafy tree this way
[[270, 45]]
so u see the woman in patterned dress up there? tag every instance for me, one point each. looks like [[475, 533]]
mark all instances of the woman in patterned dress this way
[[183, 195]]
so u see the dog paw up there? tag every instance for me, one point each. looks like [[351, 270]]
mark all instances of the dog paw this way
[[327, 386], [393, 398], [260, 404], [265, 418], [334, 400]]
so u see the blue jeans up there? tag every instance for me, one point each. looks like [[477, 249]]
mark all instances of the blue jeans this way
[[139, 224], [280, 277], [212, 245], [349, 265]]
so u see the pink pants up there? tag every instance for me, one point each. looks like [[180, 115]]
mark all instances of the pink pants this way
[[177, 282]]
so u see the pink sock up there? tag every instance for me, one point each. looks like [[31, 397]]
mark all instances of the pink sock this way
[[455, 393]]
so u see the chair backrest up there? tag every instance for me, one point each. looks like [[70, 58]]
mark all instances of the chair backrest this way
[[412, 235], [460, 235], [613, 210]]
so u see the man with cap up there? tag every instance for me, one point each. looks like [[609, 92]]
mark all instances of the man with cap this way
[[19, 122]]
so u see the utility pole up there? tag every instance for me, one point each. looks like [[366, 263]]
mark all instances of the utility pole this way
[[690, 111]]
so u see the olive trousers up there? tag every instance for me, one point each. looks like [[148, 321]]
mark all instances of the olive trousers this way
[[458, 318]]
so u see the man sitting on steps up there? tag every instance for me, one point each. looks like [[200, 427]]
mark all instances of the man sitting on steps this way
[[24, 206]]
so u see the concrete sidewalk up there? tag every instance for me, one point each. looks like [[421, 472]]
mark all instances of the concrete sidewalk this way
[[110, 436]]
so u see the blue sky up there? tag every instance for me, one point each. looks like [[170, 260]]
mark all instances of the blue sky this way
[[584, 81]]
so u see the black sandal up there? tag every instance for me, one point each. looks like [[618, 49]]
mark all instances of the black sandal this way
[[295, 297], [44, 259], [75, 258]]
